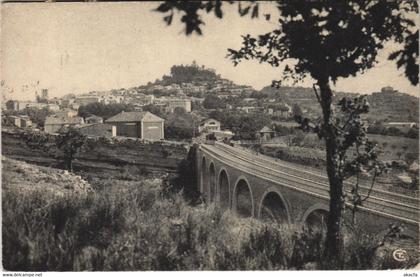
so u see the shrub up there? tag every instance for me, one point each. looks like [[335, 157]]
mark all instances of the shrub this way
[[133, 227]]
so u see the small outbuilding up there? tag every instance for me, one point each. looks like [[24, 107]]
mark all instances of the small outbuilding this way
[[266, 133], [22, 121], [93, 119], [209, 125], [53, 124], [143, 125]]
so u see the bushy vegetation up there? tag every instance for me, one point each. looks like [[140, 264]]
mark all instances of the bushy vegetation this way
[[145, 225], [104, 110], [299, 155], [380, 129], [189, 73], [180, 125], [243, 125], [36, 115], [213, 102], [134, 223], [138, 228]]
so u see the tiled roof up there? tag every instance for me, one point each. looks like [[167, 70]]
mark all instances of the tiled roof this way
[[134, 117], [208, 120], [265, 129]]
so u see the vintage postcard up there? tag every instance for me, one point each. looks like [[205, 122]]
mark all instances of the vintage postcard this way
[[209, 136]]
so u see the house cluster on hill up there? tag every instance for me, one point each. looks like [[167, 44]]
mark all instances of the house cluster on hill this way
[[196, 91], [391, 105], [141, 125]]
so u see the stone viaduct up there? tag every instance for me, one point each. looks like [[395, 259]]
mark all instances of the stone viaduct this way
[[258, 186]]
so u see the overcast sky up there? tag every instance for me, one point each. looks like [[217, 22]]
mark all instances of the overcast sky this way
[[80, 47]]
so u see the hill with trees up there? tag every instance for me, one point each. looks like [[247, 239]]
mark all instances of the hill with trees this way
[[387, 105], [189, 74]]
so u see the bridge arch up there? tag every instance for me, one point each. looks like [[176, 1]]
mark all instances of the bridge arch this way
[[203, 175], [273, 206], [316, 216], [223, 191], [243, 199], [212, 181]]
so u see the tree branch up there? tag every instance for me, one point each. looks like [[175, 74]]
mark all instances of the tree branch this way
[[316, 94], [371, 185]]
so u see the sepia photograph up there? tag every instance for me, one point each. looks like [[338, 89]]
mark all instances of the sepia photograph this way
[[145, 136]]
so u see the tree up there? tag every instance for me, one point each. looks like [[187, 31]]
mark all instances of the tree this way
[[70, 143], [38, 115], [10, 105], [213, 102], [296, 110], [153, 109], [179, 111], [244, 125], [104, 110], [179, 126], [413, 133], [258, 95], [324, 40], [393, 131]]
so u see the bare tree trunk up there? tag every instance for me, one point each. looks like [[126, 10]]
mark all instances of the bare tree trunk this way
[[333, 242], [70, 162]]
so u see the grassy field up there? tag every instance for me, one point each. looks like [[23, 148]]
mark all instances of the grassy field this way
[[396, 148], [53, 220]]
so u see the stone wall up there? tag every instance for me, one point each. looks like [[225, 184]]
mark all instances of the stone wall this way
[[99, 153]]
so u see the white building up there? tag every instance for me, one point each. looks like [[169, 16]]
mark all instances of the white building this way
[[179, 103], [209, 125]]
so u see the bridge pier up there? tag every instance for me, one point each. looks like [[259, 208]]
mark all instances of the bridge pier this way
[[254, 186]]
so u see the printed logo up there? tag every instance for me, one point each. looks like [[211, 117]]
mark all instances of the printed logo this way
[[400, 255]]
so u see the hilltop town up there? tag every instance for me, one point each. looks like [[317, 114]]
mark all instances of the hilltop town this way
[[196, 93], [292, 144]]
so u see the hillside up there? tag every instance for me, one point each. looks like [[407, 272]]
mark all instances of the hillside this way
[[388, 105], [391, 105], [99, 154], [23, 177], [193, 80], [188, 74], [139, 226]]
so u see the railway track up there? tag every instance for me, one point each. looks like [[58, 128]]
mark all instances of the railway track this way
[[406, 209], [389, 196]]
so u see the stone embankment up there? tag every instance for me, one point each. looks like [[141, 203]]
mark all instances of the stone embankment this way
[[99, 154]]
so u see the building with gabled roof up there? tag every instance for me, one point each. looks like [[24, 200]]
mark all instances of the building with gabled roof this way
[[266, 133], [143, 125], [21, 121], [54, 123], [92, 119], [209, 125]]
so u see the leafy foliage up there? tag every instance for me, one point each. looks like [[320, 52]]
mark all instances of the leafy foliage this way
[[243, 125], [104, 110], [408, 57], [213, 102], [70, 143], [189, 73], [327, 40], [180, 125], [344, 36], [36, 115], [296, 110], [138, 225], [191, 12]]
